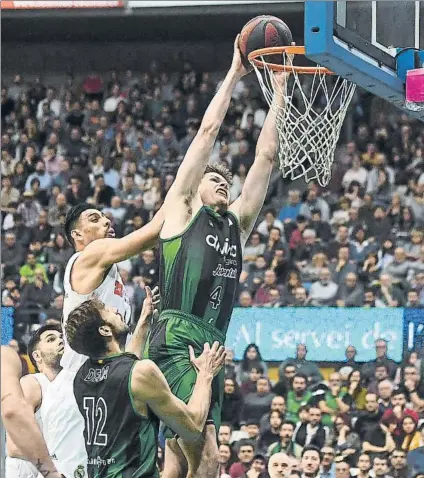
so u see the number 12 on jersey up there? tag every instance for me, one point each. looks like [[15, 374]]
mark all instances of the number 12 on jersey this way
[[215, 297], [95, 420]]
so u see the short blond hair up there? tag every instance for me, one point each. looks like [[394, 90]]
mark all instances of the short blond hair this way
[[221, 170]]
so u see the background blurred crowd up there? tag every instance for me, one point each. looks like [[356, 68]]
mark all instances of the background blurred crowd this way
[[117, 142], [365, 420]]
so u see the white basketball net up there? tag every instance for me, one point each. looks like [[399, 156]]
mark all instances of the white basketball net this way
[[310, 122]]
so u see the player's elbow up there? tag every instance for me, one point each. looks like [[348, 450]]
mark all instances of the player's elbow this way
[[192, 434], [209, 128], [267, 153], [11, 411]]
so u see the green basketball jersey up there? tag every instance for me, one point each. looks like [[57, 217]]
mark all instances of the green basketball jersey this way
[[200, 268], [120, 443]]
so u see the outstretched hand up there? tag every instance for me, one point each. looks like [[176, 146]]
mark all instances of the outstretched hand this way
[[212, 359], [150, 302], [237, 63]]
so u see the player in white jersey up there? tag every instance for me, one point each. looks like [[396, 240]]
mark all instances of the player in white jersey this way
[[45, 349], [92, 270], [18, 417]]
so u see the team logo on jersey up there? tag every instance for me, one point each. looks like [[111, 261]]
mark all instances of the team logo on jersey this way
[[79, 472], [225, 249], [119, 289]]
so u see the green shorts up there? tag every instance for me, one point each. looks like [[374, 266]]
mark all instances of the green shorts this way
[[167, 346]]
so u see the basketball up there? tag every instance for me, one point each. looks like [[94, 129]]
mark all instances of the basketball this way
[[264, 31]]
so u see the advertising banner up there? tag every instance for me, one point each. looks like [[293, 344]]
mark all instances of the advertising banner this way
[[7, 323], [54, 4], [326, 332], [413, 329], [195, 3]]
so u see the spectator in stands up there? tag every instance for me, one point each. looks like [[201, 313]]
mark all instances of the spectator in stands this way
[[399, 467], [310, 462], [278, 404], [350, 354], [313, 202], [296, 397], [381, 467], [291, 210], [225, 459], [304, 366], [369, 419], [327, 465], [311, 432], [368, 369], [324, 291], [379, 440], [350, 293], [385, 390], [251, 359], [285, 443], [399, 411], [232, 402], [246, 451], [11, 256], [270, 434], [346, 442], [411, 435], [416, 457], [364, 466], [381, 373], [250, 385], [355, 390], [224, 433], [322, 228], [257, 403], [342, 468], [341, 240], [414, 386], [270, 222], [286, 373], [413, 300], [334, 401]]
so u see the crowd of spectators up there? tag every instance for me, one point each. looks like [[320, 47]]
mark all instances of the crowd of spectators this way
[[366, 420], [117, 141]]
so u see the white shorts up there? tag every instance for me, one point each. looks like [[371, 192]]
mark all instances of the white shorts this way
[[17, 468]]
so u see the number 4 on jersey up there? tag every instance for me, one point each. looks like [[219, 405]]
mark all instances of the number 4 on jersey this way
[[215, 297]]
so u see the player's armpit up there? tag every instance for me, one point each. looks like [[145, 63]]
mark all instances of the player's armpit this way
[[149, 386]]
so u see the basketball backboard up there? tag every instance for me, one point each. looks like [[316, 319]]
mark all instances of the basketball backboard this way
[[362, 41]]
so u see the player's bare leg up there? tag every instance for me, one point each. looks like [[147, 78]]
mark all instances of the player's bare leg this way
[[202, 456], [175, 462]]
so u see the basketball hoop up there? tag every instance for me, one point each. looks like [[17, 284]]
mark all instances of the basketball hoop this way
[[309, 123]]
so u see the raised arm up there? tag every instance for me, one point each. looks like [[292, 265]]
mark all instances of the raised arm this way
[[149, 386], [139, 336], [32, 394], [18, 416], [102, 253], [192, 168], [251, 200]]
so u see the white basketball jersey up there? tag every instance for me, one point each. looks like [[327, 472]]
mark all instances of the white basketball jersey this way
[[111, 292], [63, 426]]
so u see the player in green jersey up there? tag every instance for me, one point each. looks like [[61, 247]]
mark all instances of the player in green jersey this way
[[201, 245], [120, 397]]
